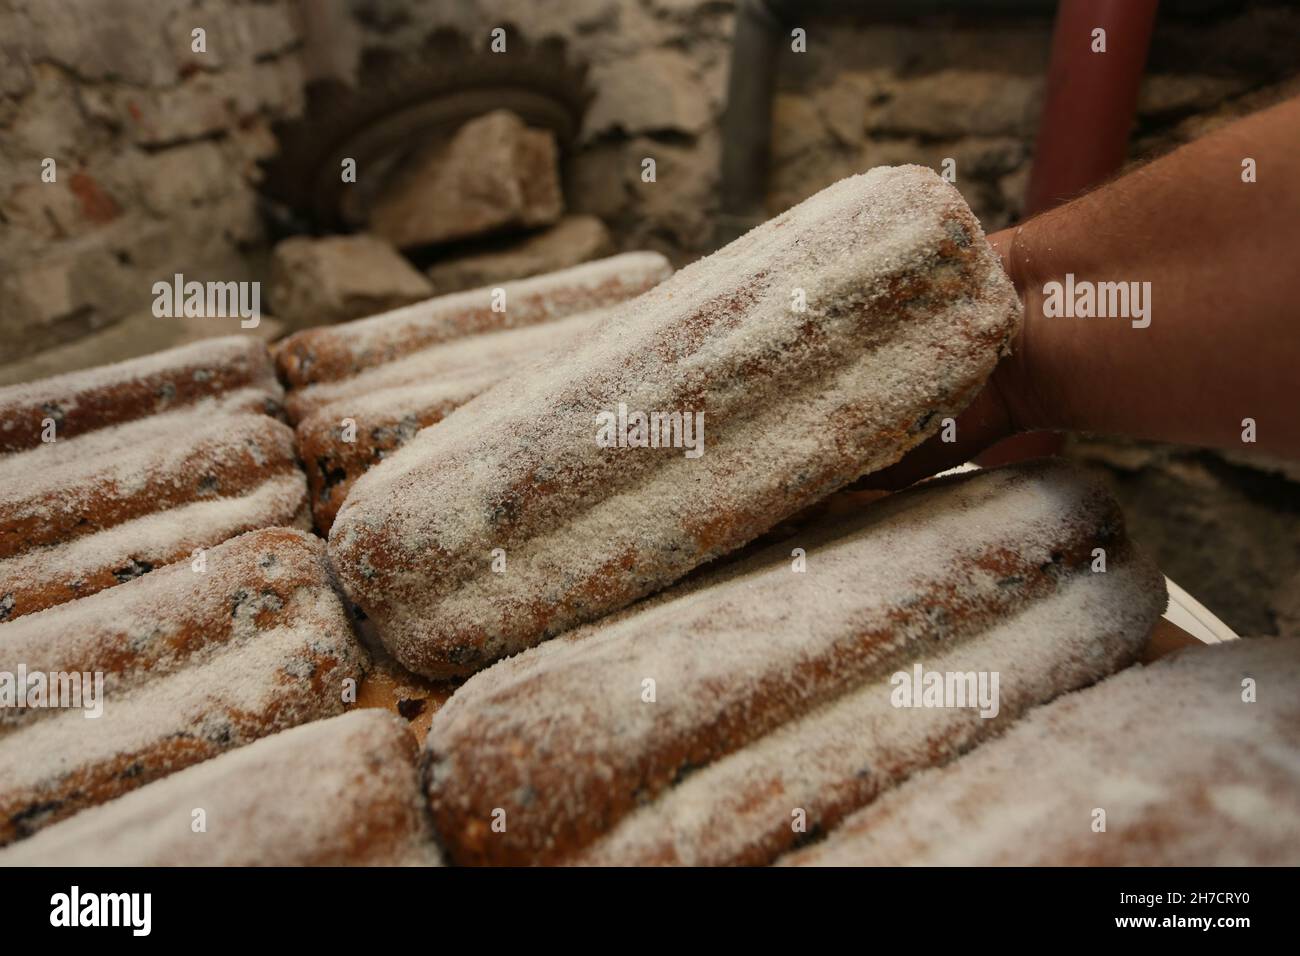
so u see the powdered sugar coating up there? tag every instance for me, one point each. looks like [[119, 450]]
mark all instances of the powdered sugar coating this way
[[560, 738], [485, 356], [223, 456], [191, 681], [150, 459], [334, 352], [840, 756], [388, 405], [84, 401], [336, 792], [907, 311], [49, 576], [160, 623], [114, 440], [1188, 773]]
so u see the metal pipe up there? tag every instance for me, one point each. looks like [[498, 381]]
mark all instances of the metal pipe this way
[[747, 122], [1091, 97]]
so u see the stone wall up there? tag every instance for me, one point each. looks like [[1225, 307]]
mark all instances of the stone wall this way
[[658, 70], [157, 146], [864, 94], [973, 91], [155, 149]]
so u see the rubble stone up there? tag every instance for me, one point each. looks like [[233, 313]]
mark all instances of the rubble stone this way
[[599, 183], [682, 202], [106, 41], [654, 91], [843, 107], [797, 127], [50, 124], [1183, 92], [572, 240], [55, 211], [177, 179], [54, 298], [155, 149], [495, 173], [318, 281], [958, 102], [202, 105]]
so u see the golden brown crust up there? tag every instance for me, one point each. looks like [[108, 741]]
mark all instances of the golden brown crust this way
[[253, 581], [195, 662], [241, 453], [906, 314], [333, 465], [147, 461], [335, 352], [336, 792], [560, 741], [1186, 767], [48, 577], [25, 810], [347, 427], [82, 402]]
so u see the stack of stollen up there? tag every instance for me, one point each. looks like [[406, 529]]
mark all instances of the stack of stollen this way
[[651, 712]]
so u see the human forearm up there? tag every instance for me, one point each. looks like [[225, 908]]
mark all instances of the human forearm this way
[[1222, 257]]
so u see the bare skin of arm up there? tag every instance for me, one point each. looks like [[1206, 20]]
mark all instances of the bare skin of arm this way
[[1223, 260]]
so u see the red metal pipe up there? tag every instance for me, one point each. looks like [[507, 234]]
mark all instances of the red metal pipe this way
[[1091, 97]]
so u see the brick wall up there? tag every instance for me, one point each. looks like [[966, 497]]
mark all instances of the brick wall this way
[[155, 149], [864, 94]]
